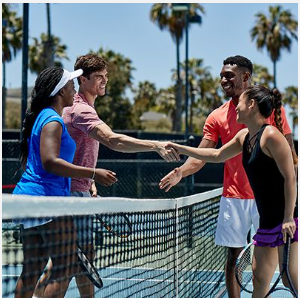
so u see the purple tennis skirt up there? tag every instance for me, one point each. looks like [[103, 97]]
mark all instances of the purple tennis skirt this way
[[272, 237]]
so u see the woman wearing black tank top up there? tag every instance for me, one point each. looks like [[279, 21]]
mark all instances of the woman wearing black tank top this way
[[269, 164]]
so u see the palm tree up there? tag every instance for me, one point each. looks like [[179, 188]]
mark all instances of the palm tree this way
[[166, 102], [38, 53], [144, 100], [175, 22], [197, 75], [120, 71], [11, 44], [261, 76], [290, 97], [275, 32], [49, 48], [115, 107], [204, 90]]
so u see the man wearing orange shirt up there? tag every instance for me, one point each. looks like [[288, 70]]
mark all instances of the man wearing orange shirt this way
[[237, 206]]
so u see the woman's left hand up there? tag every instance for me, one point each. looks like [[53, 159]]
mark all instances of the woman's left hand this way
[[288, 227]]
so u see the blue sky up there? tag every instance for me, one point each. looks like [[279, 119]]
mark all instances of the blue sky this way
[[126, 28]]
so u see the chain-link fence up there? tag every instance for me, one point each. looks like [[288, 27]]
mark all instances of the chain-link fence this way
[[138, 173]]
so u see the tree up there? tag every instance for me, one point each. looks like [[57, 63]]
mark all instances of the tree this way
[[175, 22], [49, 48], [11, 43], [275, 33], [204, 91], [166, 102], [290, 97], [115, 108], [39, 54], [261, 76], [200, 82], [144, 100]]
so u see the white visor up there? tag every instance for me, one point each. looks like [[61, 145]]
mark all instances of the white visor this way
[[66, 77]]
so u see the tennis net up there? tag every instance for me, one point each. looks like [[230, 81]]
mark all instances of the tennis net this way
[[138, 247]]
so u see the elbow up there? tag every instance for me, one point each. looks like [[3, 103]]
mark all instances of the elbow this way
[[113, 144], [290, 181], [48, 165], [293, 179], [109, 141]]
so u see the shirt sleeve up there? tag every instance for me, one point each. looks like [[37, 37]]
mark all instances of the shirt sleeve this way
[[210, 129], [53, 118], [85, 118], [285, 125]]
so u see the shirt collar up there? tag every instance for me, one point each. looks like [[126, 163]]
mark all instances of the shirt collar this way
[[79, 97]]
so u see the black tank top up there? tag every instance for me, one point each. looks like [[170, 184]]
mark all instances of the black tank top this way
[[266, 181]]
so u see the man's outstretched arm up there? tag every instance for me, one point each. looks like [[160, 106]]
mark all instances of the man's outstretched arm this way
[[190, 167]]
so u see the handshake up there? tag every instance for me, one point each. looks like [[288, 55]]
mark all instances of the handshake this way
[[173, 151], [168, 151]]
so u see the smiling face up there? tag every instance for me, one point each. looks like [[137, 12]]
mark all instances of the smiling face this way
[[96, 83], [243, 109], [68, 92], [232, 80]]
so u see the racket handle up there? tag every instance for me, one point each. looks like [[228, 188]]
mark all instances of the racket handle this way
[[286, 251]]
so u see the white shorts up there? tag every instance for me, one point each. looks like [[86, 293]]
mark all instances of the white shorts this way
[[236, 217]]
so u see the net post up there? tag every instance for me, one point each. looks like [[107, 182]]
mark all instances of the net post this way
[[176, 249]]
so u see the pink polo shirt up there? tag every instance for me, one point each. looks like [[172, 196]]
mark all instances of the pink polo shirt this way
[[80, 120]]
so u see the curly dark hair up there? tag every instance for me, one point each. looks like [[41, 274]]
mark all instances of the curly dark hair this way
[[40, 99], [90, 63], [240, 61]]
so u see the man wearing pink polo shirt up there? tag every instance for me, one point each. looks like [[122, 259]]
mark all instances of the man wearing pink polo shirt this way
[[88, 131], [237, 206]]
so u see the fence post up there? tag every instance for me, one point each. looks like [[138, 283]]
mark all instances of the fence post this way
[[138, 171], [189, 181], [190, 191]]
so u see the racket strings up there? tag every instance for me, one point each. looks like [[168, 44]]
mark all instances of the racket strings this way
[[117, 224], [243, 269]]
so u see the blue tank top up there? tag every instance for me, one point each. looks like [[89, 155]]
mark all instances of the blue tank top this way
[[267, 183], [35, 180]]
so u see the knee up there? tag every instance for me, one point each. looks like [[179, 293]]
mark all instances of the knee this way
[[61, 273], [259, 278], [64, 268]]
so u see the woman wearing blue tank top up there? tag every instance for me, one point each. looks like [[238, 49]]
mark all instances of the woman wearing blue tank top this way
[[269, 165], [47, 152]]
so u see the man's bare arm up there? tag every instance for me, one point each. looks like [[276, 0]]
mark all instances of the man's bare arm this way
[[123, 143], [191, 166]]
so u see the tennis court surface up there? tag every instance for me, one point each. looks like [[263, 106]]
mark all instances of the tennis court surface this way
[[142, 247]]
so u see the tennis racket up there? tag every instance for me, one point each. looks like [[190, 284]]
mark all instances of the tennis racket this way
[[281, 291], [243, 268], [117, 224], [89, 269]]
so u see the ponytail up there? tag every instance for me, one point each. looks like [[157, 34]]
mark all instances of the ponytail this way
[[276, 99], [277, 117], [40, 99], [268, 101]]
